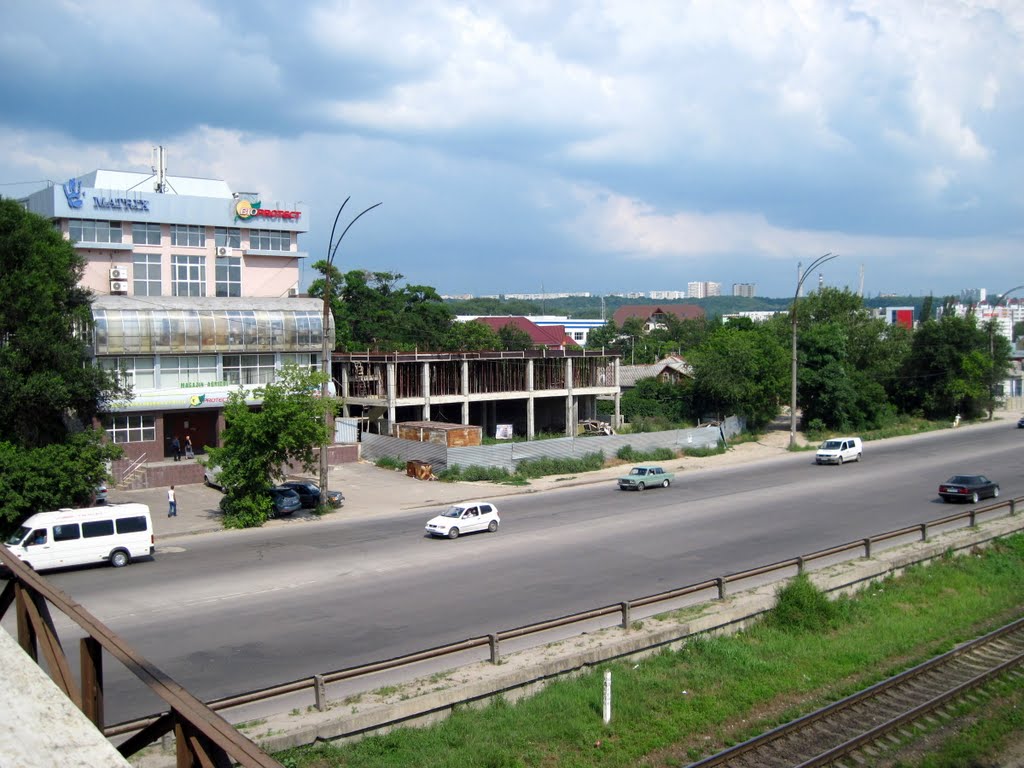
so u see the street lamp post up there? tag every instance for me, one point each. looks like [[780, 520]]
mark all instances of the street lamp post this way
[[801, 276], [992, 348], [332, 248]]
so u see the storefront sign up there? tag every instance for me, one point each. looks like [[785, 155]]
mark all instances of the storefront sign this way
[[121, 204], [252, 209]]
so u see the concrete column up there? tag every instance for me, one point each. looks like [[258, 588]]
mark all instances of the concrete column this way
[[531, 418], [426, 391], [465, 392], [391, 387], [571, 415]]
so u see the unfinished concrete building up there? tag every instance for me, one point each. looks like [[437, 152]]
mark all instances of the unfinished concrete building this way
[[536, 391]]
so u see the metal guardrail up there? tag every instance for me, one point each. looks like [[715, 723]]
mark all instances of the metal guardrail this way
[[317, 682], [202, 736]]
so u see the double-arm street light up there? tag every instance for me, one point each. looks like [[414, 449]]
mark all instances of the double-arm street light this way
[[328, 344], [801, 276]]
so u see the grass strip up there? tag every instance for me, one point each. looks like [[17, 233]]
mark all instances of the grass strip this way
[[677, 706]]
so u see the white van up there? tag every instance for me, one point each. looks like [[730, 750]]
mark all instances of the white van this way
[[836, 450], [114, 533]]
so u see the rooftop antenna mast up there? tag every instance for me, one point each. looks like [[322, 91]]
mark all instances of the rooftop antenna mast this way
[[860, 289], [160, 169]]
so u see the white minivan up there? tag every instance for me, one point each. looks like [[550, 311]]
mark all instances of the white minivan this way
[[836, 450], [113, 533]]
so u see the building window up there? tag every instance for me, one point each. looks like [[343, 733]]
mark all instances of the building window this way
[[89, 231], [145, 234], [189, 235], [146, 274], [305, 360], [230, 237], [229, 276], [188, 275], [131, 429], [187, 369], [269, 240], [248, 369], [136, 371]]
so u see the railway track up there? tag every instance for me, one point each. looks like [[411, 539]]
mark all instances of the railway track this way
[[843, 733]]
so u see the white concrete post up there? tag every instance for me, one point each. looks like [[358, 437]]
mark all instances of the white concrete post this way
[[607, 696]]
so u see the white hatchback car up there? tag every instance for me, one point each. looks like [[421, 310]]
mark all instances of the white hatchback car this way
[[467, 517]]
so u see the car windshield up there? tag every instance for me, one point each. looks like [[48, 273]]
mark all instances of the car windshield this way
[[453, 512], [831, 445], [17, 536]]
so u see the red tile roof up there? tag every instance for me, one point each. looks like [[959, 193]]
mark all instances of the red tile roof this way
[[646, 311], [550, 336]]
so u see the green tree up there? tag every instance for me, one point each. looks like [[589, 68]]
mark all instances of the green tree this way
[[53, 476], [741, 371], [603, 336], [652, 398], [47, 382], [847, 359], [513, 338], [471, 337], [952, 367], [50, 392], [258, 444]]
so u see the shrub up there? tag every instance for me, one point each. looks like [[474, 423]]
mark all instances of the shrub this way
[[628, 453], [802, 607]]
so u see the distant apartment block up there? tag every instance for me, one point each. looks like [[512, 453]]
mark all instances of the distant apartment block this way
[[703, 289], [973, 296], [747, 290], [667, 295], [759, 316]]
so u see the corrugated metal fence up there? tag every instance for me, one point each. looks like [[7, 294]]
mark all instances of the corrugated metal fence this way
[[507, 455]]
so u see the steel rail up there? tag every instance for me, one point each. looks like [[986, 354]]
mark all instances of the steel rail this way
[[751, 749]]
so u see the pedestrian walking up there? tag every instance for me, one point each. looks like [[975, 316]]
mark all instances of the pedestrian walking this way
[[189, 453], [172, 505], [176, 448]]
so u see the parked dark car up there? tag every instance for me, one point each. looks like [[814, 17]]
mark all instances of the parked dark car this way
[[309, 494], [968, 488], [1020, 423], [285, 501]]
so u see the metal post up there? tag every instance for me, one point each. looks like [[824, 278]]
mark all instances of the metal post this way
[[625, 615], [495, 644]]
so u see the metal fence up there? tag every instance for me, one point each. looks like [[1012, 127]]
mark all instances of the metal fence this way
[[715, 588], [507, 455]]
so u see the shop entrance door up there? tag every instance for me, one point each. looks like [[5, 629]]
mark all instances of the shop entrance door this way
[[201, 426]]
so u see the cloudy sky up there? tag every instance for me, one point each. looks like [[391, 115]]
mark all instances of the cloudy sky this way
[[606, 146]]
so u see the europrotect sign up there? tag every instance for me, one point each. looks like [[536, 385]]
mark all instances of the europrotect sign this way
[[252, 209]]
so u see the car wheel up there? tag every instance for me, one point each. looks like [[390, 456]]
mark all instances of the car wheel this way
[[453, 533], [974, 498], [492, 526], [664, 483], [995, 493], [858, 456], [840, 462], [640, 486], [119, 558]]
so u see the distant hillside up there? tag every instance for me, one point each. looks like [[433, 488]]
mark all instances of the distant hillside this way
[[590, 307]]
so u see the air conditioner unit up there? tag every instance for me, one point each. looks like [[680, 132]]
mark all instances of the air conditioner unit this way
[[118, 273], [293, 292], [119, 286], [223, 250]]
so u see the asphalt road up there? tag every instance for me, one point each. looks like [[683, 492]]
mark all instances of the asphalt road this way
[[237, 611]]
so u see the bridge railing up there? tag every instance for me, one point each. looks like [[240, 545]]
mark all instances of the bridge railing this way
[[202, 736]]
